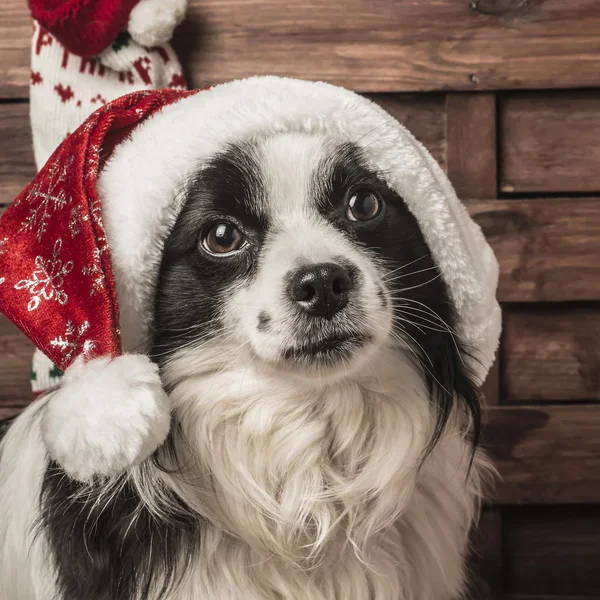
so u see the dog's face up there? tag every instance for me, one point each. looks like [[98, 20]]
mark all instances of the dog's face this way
[[294, 250], [297, 249]]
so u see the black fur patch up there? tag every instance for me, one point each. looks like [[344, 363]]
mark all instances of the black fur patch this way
[[112, 548], [264, 321], [424, 316], [192, 283]]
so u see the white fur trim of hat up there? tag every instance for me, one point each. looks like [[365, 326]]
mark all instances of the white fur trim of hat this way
[[196, 128]]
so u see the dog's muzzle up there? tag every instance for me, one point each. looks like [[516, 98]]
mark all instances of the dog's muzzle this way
[[320, 293]]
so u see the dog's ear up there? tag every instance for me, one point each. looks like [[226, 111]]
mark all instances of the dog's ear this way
[[454, 390]]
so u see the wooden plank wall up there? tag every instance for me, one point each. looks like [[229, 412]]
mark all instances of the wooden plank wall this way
[[487, 85]]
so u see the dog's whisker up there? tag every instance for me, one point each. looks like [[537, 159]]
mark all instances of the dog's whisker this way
[[405, 312], [411, 274]]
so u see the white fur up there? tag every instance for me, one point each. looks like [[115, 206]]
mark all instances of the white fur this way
[[151, 22], [321, 485], [300, 236], [24, 570], [172, 144], [307, 491], [106, 416]]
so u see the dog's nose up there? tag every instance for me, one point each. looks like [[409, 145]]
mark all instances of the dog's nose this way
[[322, 289]]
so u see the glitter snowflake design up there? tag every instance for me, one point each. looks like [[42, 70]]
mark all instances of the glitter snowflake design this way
[[45, 202], [101, 241], [75, 220], [94, 271], [73, 343], [47, 279]]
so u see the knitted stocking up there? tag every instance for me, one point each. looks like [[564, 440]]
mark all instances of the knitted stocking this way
[[84, 54], [66, 88]]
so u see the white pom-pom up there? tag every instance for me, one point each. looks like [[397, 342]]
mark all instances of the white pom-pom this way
[[106, 416], [151, 22]]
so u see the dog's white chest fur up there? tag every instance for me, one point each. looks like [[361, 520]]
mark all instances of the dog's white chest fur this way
[[321, 495], [304, 495]]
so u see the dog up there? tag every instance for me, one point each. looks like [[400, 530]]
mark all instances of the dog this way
[[324, 438]]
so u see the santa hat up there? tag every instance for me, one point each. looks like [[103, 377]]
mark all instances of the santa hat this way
[[87, 27], [91, 228]]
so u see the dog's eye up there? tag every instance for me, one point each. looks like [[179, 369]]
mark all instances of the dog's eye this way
[[223, 238], [364, 204]]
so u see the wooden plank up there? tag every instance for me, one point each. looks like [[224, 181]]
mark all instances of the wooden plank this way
[[471, 133], [369, 45], [15, 39], [543, 597], [16, 352], [548, 249], [471, 156], [553, 551], [551, 354], [424, 116], [16, 151], [486, 561], [550, 142], [545, 454], [7, 412]]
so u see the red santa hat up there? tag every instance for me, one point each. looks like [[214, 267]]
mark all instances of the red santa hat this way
[[91, 227], [58, 286], [87, 27]]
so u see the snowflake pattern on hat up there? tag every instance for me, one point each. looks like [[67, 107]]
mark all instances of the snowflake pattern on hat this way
[[74, 341], [46, 201], [58, 285], [47, 280]]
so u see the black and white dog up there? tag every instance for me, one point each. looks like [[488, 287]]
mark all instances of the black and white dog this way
[[325, 409]]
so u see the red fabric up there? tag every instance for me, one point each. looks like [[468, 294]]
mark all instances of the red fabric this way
[[84, 27], [56, 278]]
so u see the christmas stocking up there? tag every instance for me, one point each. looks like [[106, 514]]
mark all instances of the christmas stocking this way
[[85, 53]]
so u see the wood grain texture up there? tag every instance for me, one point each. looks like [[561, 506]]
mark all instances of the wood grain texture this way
[[471, 135], [486, 561], [548, 249], [550, 142], [541, 597], [16, 151], [551, 354], [545, 454], [471, 158], [15, 352], [553, 550], [7, 412], [15, 40], [369, 45]]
